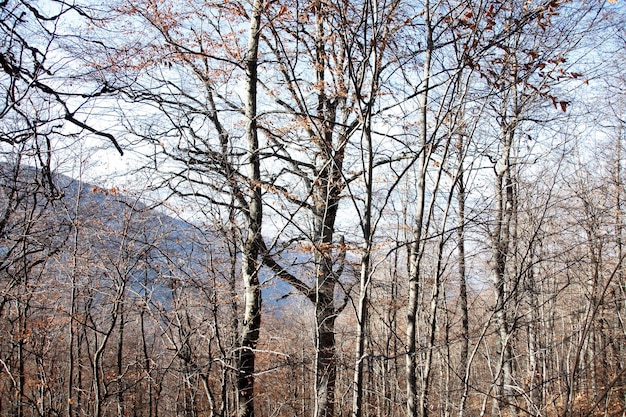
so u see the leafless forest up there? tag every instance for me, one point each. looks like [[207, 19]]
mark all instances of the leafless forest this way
[[279, 208]]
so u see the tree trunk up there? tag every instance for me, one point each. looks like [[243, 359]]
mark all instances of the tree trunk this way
[[325, 316], [326, 367], [501, 248], [251, 323], [415, 251], [464, 356], [364, 280]]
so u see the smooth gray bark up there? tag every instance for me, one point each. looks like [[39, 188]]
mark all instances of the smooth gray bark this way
[[415, 409], [251, 323]]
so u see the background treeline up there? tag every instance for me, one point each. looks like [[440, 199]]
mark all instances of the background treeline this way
[[325, 208]]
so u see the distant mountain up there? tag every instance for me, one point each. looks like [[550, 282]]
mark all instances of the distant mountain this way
[[120, 237]]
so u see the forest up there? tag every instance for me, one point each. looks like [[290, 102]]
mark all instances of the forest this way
[[279, 208]]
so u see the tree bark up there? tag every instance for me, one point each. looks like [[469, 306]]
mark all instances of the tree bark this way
[[251, 323], [501, 248], [415, 251], [463, 305]]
